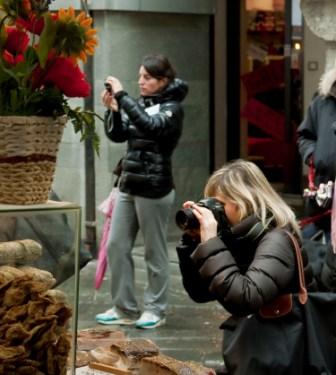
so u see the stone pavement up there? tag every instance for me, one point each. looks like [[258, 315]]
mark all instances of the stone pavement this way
[[191, 331]]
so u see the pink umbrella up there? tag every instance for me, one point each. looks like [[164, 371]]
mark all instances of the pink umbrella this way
[[106, 207]]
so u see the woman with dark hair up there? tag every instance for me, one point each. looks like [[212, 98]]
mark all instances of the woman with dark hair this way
[[152, 126]]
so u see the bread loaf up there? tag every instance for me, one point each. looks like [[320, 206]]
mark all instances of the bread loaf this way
[[19, 251], [39, 275], [8, 274]]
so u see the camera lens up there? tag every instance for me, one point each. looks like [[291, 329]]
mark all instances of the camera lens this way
[[185, 219]]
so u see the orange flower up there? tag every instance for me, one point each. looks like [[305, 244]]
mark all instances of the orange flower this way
[[83, 41], [40, 73]]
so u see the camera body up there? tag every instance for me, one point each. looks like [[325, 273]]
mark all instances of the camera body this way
[[186, 220], [108, 87]]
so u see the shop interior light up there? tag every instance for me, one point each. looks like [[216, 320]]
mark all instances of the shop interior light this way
[[266, 5], [297, 46]]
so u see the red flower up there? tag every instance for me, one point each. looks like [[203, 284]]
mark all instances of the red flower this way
[[15, 46], [17, 41], [65, 75], [26, 6], [33, 24], [11, 59]]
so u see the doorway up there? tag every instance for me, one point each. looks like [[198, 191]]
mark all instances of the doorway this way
[[271, 88]]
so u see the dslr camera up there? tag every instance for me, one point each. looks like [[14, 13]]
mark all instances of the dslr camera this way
[[186, 220]]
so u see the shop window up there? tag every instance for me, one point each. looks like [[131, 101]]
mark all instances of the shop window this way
[[263, 78]]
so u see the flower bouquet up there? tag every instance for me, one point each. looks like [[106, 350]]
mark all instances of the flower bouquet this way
[[40, 52]]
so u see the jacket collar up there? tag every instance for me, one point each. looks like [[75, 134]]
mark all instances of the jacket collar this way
[[176, 91], [327, 84], [251, 228]]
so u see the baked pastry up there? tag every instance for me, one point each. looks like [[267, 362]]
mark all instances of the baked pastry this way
[[8, 274], [105, 356], [130, 352], [82, 358], [165, 365], [39, 275], [89, 339]]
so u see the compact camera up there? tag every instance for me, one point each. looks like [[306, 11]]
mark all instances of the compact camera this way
[[185, 218], [108, 87]]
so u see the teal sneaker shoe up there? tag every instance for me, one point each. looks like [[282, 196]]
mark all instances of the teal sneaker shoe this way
[[149, 320], [111, 317]]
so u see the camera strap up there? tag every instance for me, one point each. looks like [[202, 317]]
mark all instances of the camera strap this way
[[257, 229]]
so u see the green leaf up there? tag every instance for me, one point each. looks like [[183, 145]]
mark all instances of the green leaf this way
[[83, 122], [10, 73], [4, 76], [14, 99], [47, 39], [31, 57]]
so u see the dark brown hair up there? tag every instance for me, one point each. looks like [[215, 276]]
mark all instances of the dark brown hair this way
[[158, 66]]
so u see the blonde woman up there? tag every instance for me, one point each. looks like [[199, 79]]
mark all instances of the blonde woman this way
[[246, 263]]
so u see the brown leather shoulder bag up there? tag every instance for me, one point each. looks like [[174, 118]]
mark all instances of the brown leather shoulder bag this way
[[282, 305]]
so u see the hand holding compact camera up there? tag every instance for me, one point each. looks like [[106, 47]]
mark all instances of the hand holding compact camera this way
[[113, 85], [108, 87], [107, 97]]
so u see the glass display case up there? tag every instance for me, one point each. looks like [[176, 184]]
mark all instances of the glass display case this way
[[55, 229]]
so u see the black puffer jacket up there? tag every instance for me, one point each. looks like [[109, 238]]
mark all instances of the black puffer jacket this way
[[152, 126], [245, 272]]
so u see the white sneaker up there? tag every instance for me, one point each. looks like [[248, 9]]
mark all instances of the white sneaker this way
[[149, 320], [111, 317]]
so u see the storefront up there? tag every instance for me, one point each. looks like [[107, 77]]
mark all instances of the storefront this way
[[265, 86]]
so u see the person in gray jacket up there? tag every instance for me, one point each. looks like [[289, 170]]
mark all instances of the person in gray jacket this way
[[317, 145], [151, 126], [249, 259], [317, 132]]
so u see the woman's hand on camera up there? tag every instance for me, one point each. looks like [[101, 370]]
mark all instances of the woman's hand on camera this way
[[107, 97], [115, 84], [208, 223], [109, 101]]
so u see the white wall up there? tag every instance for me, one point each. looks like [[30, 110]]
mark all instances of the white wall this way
[[314, 57], [124, 38]]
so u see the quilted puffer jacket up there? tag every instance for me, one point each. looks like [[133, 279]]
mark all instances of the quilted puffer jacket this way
[[152, 127], [241, 272]]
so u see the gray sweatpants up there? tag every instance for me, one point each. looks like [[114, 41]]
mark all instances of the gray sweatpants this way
[[151, 216]]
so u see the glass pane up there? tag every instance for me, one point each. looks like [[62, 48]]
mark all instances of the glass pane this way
[[39, 252], [263, 111]]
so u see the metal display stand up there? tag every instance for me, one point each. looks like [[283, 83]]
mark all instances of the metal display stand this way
[[54, 207]]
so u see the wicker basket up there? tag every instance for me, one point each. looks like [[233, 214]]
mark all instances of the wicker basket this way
[[28, 150]]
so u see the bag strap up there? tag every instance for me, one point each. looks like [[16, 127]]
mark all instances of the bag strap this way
[[116, 182], [303, 294], [117, 172]]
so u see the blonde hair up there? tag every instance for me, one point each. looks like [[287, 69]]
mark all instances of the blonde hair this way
[[243, 183]]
